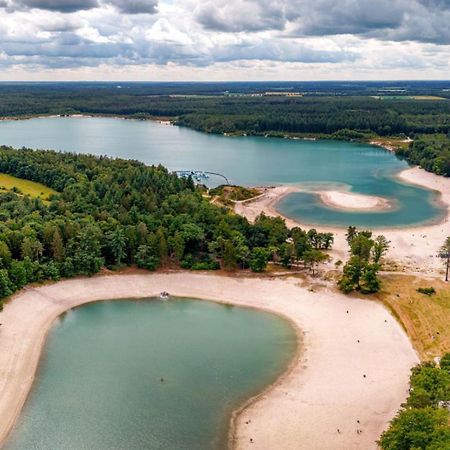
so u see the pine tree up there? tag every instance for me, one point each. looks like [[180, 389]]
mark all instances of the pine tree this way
[[57, 246]]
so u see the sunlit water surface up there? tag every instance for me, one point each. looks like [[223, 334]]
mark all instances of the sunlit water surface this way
[[99, 383], [245, 160]]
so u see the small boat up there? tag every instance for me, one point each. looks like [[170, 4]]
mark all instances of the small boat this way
[[164, 295]]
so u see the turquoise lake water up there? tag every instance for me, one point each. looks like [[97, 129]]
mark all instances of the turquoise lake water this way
[[245, 160], [98, 386]]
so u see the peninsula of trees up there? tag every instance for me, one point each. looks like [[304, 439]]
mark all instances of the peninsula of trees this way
[[113, 212]]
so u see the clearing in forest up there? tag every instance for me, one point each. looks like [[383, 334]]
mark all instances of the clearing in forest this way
[[25, 187]]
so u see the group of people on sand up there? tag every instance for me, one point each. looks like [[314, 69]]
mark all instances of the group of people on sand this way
[[358, 430]]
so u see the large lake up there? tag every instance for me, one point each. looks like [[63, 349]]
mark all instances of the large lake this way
[[99, 382], [245, 160]]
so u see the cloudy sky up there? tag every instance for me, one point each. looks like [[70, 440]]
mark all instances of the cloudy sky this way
[[224, 39]]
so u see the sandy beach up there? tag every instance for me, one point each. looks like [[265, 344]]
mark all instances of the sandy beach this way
[[413, 248], [333, 382]]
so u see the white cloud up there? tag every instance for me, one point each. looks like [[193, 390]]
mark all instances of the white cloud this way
[[297, 39]]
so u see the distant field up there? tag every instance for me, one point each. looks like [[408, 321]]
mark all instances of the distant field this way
[[25, 187], [409, 97], [425, 318]]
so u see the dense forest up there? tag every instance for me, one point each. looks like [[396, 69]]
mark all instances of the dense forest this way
[[113, 212], [324, 110], [249, 114], [423, 421], [432, 152]]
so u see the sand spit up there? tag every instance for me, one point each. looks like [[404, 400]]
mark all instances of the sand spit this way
[[413, 248], [333, 382], [350, 201]]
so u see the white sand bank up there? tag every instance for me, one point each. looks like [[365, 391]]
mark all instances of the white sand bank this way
[[353, 202], [324, 390], [414, 248]]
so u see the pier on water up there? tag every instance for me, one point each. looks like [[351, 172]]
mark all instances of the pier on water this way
[[199, 175]]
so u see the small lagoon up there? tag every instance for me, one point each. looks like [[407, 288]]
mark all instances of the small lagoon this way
[[250, 161], [99, 382]]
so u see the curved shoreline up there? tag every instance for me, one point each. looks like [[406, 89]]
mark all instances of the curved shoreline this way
[[322, 390], [414, 247]]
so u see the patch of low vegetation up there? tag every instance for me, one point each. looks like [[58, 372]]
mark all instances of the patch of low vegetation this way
[[392, 143], [426, 321], [410, 97], [348, 135], [423, 422], [227, 194], [426, 290], [22, 186]]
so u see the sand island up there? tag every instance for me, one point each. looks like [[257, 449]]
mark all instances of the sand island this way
[[350, 201]]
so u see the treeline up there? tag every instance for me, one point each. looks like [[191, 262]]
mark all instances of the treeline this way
[[320, 115], [424, 420], [245, 114], [430, 152], [112, 212]]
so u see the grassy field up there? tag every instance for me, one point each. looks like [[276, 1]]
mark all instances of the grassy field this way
[[226, 195], [25, 187], [408, 97], [426, 318]]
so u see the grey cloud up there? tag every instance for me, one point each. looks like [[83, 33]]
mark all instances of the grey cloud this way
[[281, 50], [441, 4], [69, 47], [310, 16], [242, 15], [70, 6], [64, 6], [135, 6], [60, 24], [324, 17], [417, 20]]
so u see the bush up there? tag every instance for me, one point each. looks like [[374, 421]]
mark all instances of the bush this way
[[259, 257], [145, 259], [444, 364], [205, 265], [187, 262], [346, 285], [427, 290]]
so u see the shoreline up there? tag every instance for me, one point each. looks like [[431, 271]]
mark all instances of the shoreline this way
[[415, 247], [170, 120], [415, 254], [323, 388], [163, 120]]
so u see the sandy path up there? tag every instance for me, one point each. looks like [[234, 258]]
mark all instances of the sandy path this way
[[415, 248], [325, 389]]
